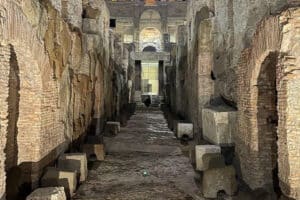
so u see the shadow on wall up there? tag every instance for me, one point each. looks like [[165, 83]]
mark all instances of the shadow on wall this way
[[11, 147], [23, 178]]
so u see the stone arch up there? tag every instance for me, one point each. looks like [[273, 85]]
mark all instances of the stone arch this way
[[272, 57], [150, 37], [149, 49]]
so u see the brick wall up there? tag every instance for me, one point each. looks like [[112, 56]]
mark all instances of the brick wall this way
[[256, 140], [54, 80]]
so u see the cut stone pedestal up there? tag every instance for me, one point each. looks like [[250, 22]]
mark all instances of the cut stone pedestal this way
[[55, 177], [94, 151], [184, 129], [202, 150], [112, 128], [219, 125], [175, 124], [74, 162], [213, 160], [219, 179], [48, 193]]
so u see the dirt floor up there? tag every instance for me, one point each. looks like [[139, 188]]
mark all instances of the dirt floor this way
[[144, 161]]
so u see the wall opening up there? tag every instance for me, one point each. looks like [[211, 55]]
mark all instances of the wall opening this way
[[150, 82], [150, 37], [138, 75], [267, 120], [149, 49], [112, 23]]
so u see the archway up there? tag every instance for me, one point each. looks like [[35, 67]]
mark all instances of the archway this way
[[149, 49], [150, 37], [267, 120]]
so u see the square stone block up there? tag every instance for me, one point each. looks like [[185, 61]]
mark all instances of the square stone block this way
[[213, 160], [112, 128], [55, 177], [74, 162], [219, 125], [175, 123], [202, 150], [94, 151], [48, 193], [184, 129], [114, 124], [219, 179]]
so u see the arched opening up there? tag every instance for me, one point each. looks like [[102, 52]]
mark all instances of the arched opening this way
[[149, 49], [267, 120], [150, 37]]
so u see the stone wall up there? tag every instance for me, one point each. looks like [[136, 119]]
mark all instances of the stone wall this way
[[217, 32], [273, 55], [56, 71], [223, 43]]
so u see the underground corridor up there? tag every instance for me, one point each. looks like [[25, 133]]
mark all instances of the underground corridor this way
[[149, 100]]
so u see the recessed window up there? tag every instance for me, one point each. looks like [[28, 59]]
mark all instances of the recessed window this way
[[112, 23]]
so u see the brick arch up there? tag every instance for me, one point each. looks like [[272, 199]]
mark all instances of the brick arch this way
[[253, 147]]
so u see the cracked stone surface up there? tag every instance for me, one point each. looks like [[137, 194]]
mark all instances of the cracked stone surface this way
[[145, 145]]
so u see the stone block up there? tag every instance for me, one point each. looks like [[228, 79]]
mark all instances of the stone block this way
[[90, 26], [219, 179], [213, 160], [175, 123], [184, 129], [202, 150], [48, 193], [55, 177], [219, 126], [112, 128], [74, 162], [94, 151]]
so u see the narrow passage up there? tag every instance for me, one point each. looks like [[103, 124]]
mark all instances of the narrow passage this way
[[144, 161]]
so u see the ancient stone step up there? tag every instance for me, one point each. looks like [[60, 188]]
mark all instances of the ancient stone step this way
[[184, 129], [94, 151], [55, 177], [74, 162], [213, 160], [48, 193], [112, 128], [201, 151], [219, 179], [219, 125]]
